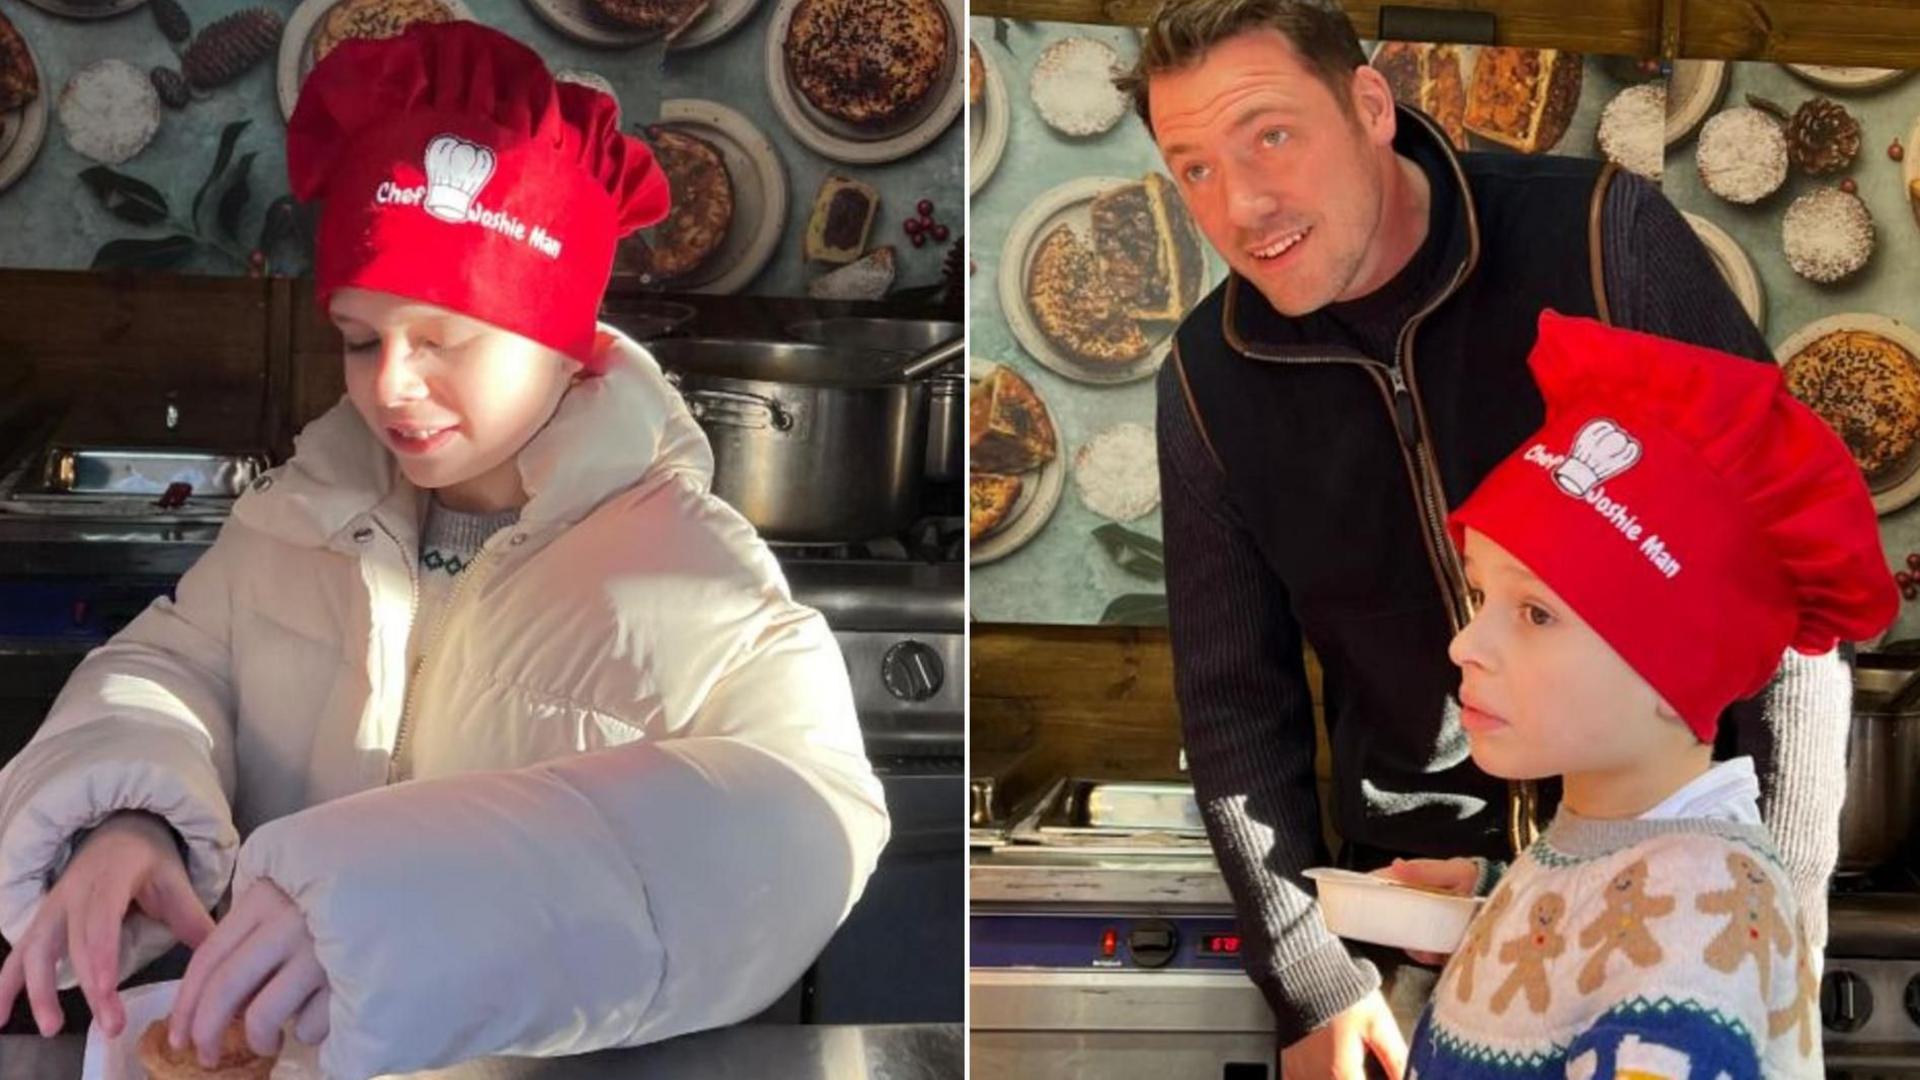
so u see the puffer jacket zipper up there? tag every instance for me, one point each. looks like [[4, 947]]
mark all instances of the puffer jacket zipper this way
[[397, 770]]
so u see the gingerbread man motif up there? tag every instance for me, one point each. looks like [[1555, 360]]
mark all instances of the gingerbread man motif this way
[[1478, 943], [1529, 953], [1803, 1011], [1754, 922], [1622, 926]]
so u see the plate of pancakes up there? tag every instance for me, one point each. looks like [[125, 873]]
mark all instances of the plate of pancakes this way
[[729, 202], [988, 115], [685, 24], [1861, 373], [23, 104], [1015, 469], [867, 81], [1098, 272], [317, 27]]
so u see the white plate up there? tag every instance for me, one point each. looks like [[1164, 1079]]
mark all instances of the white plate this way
[[1903, 486], [296, 47], [987, 125], [841, 141], [1734, 266], [1693, 92], [78, 9], [1039, 491], [582, 21], [1839, 77], [759, 194], [25, 129], [117, 1059], [1070, 203]]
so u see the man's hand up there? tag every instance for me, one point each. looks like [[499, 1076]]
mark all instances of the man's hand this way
[[127, 864], [1457, 876], [1338, 1049], [259, 964]]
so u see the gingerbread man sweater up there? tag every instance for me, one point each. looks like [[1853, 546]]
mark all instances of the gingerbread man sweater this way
[[1640, 948]]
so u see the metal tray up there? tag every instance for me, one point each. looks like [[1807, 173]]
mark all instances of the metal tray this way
[[1115, 818], [116, 471], [1004, 785]]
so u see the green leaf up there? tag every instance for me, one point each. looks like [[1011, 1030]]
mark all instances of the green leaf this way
[[234, 202], [1136, 609], [124, 197], [1137, 554], [228, 136], [144, 254]]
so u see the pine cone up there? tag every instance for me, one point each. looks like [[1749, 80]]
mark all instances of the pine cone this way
[[172, 87], [953, 296], [1822, 137], [172, 20], [231, 47]]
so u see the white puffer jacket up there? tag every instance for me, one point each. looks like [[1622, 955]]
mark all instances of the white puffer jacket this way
[[635, 804]]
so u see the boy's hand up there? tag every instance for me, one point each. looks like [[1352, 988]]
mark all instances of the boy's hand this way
[[260, 964], [1457, 876], [129, 862]]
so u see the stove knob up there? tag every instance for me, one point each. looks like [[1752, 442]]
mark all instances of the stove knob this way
[[1845, 1002], [912, 671], [1913, 999], [1153, 943]]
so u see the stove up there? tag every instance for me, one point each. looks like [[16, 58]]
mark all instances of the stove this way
[[1870, 988]]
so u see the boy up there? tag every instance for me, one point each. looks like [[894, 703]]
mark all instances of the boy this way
[[1643, 560]]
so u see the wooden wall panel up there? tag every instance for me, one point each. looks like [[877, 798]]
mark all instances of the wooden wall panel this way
[[1882, 33]]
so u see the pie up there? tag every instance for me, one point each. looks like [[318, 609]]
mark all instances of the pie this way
[[1077, 309], [976, 74], [372, 20], [235, 1062], [867, 62], [1008, 429], [1867, 388], [1524, 99], [1428, 77], [702, 203], [1146, 248], [991, 498], [667, 17], [19, 79]]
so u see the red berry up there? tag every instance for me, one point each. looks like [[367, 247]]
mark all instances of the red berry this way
[[919, 239], [1849, 186], [1894, 150], [940, 233], [926, 222], [913, 226], [1902, 579], [1913, 560], [1911, 592], [925, 206]]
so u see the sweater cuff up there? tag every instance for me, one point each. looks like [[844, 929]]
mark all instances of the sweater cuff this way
[[1491, 870], [1315, 988]]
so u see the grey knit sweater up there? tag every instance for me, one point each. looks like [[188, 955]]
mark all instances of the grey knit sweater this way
[[1247, 719]]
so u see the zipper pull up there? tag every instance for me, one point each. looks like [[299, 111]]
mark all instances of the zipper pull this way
[[1403, 415]]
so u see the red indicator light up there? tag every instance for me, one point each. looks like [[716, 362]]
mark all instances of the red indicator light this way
[[1109, 943], [1221, 944]]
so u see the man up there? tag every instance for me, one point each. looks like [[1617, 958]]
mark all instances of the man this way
[[1361, 369]]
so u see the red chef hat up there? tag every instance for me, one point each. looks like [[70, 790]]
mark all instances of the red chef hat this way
[[455, 170], [1699, 518]]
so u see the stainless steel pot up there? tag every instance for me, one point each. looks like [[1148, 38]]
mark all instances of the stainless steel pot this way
[[946, 404], [808, 442], [1883, 763]]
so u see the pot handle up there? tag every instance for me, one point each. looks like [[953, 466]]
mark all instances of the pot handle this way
[[737, 408]]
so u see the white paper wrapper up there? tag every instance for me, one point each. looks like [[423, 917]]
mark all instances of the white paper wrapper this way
[[115, 1059]]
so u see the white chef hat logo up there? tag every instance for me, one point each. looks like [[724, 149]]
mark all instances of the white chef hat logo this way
[[456, 171], [1601, 450]]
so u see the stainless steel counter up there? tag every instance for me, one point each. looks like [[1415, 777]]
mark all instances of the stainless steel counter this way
[[743, 1052], [1027, 875]]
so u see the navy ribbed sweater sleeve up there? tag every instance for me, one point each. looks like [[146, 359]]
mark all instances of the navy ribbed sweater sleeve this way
[[1247, 718]]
